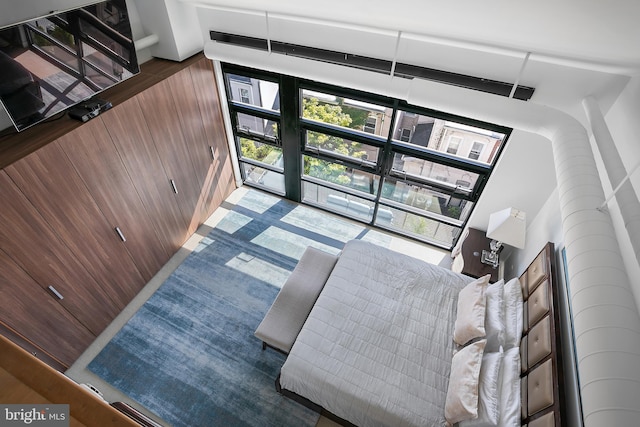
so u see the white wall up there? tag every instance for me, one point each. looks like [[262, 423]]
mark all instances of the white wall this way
[[524, 178], [623, 123], [175, 24], [624, 126], [545, 227]]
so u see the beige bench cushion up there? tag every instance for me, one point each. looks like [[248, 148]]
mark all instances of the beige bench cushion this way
[[289, 311]]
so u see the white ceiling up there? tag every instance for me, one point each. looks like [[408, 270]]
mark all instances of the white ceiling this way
[[590, 30], [577, 47]]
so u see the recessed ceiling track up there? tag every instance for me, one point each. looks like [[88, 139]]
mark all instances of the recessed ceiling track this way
[[377, 65]]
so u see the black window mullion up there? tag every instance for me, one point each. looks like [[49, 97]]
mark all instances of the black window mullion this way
[[442, 219], [436, 157], [339, 132], [366, 166], [290, 137], [260, 137], [254, 110], [385, 159], [350, 191], [450, 190], [442, 158], [260, 164]]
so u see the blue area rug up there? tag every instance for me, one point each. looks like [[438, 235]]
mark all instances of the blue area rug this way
[[189, 354]]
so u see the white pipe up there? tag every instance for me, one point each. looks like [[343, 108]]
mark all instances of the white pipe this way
[[594, 261], [146, 41], [266, 19], [395, 54], [624, 181], [520, 74]]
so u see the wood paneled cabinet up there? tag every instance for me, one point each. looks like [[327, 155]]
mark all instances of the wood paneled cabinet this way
[[219, 174], [90, 217], [51, 184], [94, 156], [130, 134], [51, 326], [31, 242]]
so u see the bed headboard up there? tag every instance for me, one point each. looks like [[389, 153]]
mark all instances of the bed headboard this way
[[541, 357]]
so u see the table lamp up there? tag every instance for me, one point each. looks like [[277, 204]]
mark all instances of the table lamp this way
[[507, 226]]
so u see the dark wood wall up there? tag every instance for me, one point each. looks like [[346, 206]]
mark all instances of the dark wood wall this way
[[90, 212]]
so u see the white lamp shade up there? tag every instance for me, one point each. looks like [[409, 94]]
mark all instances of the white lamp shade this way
[[508, 226]]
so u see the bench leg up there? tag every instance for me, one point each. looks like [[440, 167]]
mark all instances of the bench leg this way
[[264, 345]]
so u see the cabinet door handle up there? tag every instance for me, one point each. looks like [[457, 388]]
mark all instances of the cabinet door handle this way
[[120, 234], [173, 186], [213, 153], [55, 292]]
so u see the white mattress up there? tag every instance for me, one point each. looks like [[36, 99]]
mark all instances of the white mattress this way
[[377, 346]]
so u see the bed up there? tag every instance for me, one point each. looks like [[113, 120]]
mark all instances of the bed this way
[[393, 341]]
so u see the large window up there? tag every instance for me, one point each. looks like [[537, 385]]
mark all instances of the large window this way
[[409, 170], [254, 104]]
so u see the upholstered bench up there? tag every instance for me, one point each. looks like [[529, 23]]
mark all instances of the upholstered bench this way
[[282, 323]]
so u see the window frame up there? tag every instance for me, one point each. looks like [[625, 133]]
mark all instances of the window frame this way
[[479, 152], [450, 142], [406, 138], [294, 129], [369, 125]]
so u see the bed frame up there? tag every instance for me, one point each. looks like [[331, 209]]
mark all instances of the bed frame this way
[[542, 376], [543, 382]]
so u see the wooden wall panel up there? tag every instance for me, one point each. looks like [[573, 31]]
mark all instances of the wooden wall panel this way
[[61, 205], [226, 180], [184, 95], [93, 154], [208, 100], [129, 131], [165, 129], [50, 182], [27, 238], [30, 310]]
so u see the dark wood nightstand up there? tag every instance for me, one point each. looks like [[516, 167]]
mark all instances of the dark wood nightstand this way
[[471, 252]]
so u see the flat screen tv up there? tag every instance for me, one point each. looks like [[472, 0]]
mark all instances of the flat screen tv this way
[[52, 63]]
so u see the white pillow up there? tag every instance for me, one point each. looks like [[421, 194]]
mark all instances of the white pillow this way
[[489, 392], [494, 317], [462, 393], [471, 311], [510, 391], [513, 313]]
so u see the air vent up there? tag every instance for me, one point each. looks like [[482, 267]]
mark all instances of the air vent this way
[[236, 40], [523, 93]]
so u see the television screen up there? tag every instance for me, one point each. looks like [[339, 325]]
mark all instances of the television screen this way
[[50, 64]]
